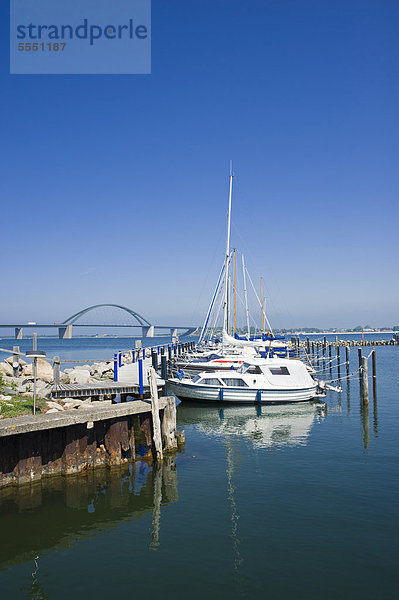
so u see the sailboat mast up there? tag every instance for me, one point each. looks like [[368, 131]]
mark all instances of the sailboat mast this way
[[227, 258], [245, 295], [234, 291], [261, 299]]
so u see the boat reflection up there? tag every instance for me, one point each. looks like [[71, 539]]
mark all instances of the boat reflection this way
[[78, 506], [264, 426]]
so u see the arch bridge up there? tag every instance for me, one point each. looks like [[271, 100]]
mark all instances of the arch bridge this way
[[65, 328]]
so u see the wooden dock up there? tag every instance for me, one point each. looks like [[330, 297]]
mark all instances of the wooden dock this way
[[100, 390]]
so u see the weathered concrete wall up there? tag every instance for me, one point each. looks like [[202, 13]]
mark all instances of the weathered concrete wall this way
[[34, 447]]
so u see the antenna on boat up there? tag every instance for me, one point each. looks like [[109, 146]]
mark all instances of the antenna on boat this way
[[234, 291], [245, 295], [227, 257], [261, 299]]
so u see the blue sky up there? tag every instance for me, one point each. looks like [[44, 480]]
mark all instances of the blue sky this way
[[114, 188]]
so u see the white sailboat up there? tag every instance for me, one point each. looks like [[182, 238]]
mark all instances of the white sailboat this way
[[263, 380]]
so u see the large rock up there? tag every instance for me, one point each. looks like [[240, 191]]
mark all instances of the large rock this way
[[101, 368], [10, 360], [80, 376], [55, 405], [44, 370], [6, 369]]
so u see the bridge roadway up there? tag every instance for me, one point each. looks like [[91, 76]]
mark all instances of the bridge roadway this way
[[65, 330]]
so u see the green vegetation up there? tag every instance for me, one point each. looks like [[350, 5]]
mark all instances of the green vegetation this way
[[19, 404]]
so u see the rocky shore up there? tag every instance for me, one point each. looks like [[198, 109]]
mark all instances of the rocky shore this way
[[20, 388]]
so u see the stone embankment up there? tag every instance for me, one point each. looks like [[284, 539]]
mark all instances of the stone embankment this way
[[16, 382]]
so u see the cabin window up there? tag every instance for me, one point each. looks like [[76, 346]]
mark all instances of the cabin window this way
[[279, 371], [210, 381], [254, 369], [196, 378], [234, 382]]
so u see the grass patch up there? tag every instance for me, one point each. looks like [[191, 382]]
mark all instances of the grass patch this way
[[18, 408]]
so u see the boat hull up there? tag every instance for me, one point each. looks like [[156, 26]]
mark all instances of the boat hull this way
[[207, 393]]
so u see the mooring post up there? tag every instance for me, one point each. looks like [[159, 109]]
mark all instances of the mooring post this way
[[143, 353], [374, 372], [347, 358], [133, 356], [56, 371], [34, 342], [120, 358], [359, 356], [141, 386], [365, 380], [15, 361], [308, 346], [338, 361], [154, 358], [317, 355], [115, 367], [324, 352], [169, 353], [169, 425], [164, 372], [329, 357], [156, 423]]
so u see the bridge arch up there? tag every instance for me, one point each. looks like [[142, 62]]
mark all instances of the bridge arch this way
[[72, 319]]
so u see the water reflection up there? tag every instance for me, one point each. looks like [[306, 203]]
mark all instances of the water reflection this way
[[264, 426], [80, 506]]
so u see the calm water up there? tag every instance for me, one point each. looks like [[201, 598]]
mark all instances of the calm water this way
[[295, 502]]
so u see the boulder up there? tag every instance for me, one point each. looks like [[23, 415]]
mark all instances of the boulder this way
[[6, 369], [86, 404], [101, 368], [5, 397], [10, 360], [44, 370], [80, 376], [54, 405], [72, 404], [64, 378], [52, 410]]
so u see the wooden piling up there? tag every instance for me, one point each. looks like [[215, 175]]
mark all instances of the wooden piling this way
[[169, 425], [56, 370], [374, 373], [156, 423], [359, 356], [347, 358], [365, 381], [329, 357], [15, 361], [34, 342], [338, 365]]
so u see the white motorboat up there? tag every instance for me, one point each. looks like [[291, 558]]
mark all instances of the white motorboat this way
[[266, 381]]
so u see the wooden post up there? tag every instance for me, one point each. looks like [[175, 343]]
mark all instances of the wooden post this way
[[338, 365], [34, 346], [15, 361], [56, 370], [374, 371], [164, 372], [329, 356], [154, 357], [156, 423], [347, 358], [169, 425], [359, 356], [365, 380]]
